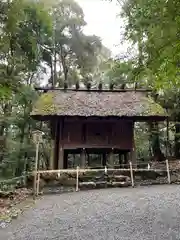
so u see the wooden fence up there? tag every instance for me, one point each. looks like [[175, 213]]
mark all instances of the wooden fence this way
[[130, 167]]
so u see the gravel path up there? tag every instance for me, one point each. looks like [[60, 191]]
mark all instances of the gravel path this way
[[147, 213]]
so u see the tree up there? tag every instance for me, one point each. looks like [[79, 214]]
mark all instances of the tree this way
[[70, 54], [153, 26], [24, 27], [121, 72]]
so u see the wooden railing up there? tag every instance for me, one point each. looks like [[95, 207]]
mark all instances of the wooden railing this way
[[131, 168]]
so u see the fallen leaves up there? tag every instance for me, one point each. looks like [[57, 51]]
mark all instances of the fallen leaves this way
[[8, 203]]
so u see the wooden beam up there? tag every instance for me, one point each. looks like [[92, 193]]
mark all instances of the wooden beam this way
[[106, 118], [90, 170]]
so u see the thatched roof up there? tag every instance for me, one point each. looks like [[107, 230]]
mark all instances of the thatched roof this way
[[96, 103]]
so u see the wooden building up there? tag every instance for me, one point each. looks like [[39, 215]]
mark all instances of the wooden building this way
[[94, 122]]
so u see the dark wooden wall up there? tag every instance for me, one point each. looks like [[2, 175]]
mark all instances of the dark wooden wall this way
[[95, 134]]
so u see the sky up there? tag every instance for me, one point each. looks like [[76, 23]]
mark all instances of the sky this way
[[102, 20]]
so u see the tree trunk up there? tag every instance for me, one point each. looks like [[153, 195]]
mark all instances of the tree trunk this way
[[64, 66], [55, 70], [4, 128], [51, 80], [19, 167], [177, 139], [155, 141]]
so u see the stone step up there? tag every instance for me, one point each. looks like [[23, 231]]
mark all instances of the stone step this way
[[121, 184]]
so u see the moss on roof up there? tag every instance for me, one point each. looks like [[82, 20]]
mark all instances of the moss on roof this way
[[79, 103], [45, 105], [152, 108]]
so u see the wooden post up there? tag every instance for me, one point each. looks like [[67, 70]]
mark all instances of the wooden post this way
[[59, 144], [133, 157], [35, 168], [111, 159], [125, 159], [77, 179], [88, 159], [168, 173], [105, 176], [83, 158], [133, 150], [65, 161], [104, 159], [61, 158], [24, 172], [131, 173], [38, 181], [51, 163], [120, 160], [167, 138], [105, 170]]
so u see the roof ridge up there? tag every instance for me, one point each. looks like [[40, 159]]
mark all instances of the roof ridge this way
[[46, 89]]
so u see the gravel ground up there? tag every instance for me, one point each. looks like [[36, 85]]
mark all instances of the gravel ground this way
[[143, 213]]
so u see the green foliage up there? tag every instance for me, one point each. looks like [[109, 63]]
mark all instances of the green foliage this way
[[25, 28], [155, 25], [69, 49], [121, 72]]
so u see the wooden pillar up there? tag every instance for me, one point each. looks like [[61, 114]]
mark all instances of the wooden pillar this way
[[52, 155], [60, 144], [56, 143], [52, 126], [126, 160], [167, 138], [133, 152], [104, 159], [61, 158], [65, 160], [111, 159], [83, 159], [123, 160], [120, 159], [88, 159], [133, 156]]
